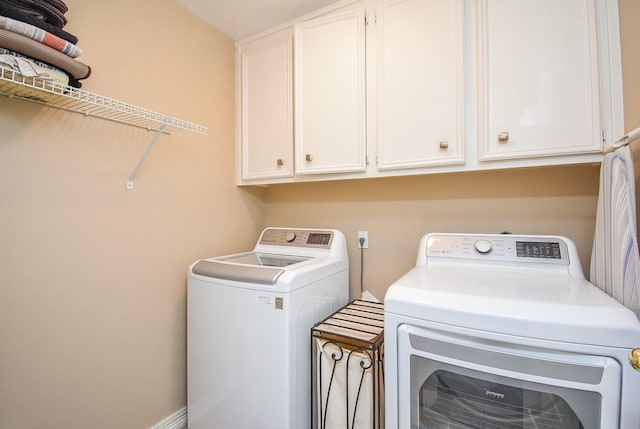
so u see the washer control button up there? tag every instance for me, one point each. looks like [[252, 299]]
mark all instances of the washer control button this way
[[290, 237], [483, 247]]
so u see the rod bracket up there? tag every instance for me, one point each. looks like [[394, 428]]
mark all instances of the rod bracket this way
[[146, 152]]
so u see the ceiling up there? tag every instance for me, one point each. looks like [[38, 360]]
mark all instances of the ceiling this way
[[241, 18]]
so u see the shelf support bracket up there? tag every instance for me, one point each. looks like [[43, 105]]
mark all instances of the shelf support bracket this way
[[146, 152]]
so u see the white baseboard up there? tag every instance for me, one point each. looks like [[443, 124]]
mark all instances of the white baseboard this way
[[177, 420]]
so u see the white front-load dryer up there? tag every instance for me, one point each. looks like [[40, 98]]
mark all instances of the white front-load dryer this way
[[500, 330], [249, 318]]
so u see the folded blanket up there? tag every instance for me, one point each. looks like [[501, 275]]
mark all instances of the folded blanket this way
[[35, 19], [72, 81], [39, 35], [31, 48], [50, 13]]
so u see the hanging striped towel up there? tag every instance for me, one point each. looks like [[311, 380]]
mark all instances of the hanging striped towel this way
[[615, 263]]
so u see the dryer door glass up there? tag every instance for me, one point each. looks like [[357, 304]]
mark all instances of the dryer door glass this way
[[448, 399]]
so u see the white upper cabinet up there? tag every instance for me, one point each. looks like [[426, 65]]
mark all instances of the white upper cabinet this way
[[428, 86], [330, 94], [539, 79], [266, 103], [421, 101]]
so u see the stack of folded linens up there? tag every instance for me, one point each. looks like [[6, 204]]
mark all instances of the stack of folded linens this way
[[36, 50]]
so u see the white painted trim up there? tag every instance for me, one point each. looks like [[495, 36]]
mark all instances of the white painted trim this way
[[177, 420]]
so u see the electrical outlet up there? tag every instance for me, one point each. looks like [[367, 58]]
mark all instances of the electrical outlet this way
[[365, 243]]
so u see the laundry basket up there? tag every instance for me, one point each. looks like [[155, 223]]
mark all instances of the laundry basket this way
[[348, 368]]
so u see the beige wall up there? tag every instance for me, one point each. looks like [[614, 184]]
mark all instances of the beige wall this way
[[630, 38], [93, 276], [398, 211]]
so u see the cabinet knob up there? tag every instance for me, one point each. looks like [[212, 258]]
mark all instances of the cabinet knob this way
[[308, 157], [444, 144], [503, 137], [279, 162]]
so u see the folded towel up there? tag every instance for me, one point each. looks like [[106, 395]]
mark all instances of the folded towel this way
[[51, 14], [40, 35], [58, 4], [31, 48], [72, 81], [31, 18], [29, 68], [615, 260], [40, 83]]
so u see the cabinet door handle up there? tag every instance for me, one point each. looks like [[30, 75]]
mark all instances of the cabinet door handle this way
[[503, 137], [308, 157], [279, 162], [444, 144], [634, 359]]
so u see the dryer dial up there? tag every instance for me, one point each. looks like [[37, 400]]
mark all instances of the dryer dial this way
[[483, 247]]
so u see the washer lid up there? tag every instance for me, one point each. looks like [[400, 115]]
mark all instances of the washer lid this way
[[249, 267], [263, 259]]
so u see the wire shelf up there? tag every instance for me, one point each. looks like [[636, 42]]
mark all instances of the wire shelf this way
[[54, 94]]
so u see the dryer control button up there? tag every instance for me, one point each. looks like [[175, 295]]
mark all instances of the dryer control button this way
[[483, 247]]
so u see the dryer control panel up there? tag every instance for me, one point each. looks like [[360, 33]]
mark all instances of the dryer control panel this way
[[499, 248]]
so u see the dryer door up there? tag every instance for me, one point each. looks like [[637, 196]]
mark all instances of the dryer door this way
[[465, 382]]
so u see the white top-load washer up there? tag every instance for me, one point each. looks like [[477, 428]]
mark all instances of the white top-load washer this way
[[501, 330], [249, 319]]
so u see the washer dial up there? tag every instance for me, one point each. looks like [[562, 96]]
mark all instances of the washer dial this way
[[290, 237]]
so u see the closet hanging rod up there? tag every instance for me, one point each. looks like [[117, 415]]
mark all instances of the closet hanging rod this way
[[624, 141]]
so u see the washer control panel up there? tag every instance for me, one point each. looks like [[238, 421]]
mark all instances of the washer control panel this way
[[498, 247], [297, 237]]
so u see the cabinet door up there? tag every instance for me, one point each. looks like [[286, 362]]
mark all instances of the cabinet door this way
[[330, 94], [420, 83], [266, 86], [539, 78]]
